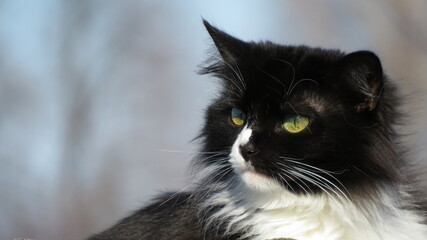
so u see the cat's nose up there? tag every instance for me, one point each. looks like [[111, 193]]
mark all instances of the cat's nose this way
[[248, 150]]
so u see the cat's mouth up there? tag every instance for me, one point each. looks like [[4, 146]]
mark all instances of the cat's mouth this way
[[241, 167], [248, 169], [257, 180], [254, 174], [253, 178], [245, 168]]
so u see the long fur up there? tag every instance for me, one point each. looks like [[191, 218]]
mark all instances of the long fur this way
[[345, 176]]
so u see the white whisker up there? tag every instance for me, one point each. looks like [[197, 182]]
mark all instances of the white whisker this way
[[274, 78], [302, 80], [321, 185], [239, 77], [296, 182], [329, 173], [191, 152], [287, 183], [293, 73], [325, 181]]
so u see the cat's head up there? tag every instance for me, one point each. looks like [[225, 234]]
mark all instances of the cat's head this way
[[299, 118]]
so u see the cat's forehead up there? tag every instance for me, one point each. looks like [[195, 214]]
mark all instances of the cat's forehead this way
[[285, 82], [286, 69], [306, 100]]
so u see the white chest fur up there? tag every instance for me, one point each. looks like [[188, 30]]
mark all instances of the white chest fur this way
[[321, 221], [314, 218], [328, 224]]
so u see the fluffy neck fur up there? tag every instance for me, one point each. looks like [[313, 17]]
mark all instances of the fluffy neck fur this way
[[231, 208]]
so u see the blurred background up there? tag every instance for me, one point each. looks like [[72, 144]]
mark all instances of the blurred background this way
[[99, 99]]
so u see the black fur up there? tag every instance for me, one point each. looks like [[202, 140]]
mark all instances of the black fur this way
[[352, 108], [168, 216]]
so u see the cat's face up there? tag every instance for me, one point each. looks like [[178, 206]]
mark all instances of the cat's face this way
[[299, 118]]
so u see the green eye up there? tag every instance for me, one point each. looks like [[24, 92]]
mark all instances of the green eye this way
[[238, 117], [296, 124]]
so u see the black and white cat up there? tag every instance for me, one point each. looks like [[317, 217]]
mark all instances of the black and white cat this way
[[299, 144]]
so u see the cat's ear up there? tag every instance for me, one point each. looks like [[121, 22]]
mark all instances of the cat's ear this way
[[364, 73], [230, 48]]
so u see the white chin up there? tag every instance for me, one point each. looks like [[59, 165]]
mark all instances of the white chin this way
[[259, 182]]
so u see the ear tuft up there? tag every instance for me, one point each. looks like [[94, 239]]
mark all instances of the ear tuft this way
[[230, 48], [364, 73]]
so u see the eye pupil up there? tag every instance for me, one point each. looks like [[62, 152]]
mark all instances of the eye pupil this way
[[238, 117]]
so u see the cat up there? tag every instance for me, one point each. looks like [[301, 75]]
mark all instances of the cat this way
[[299, 144]]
